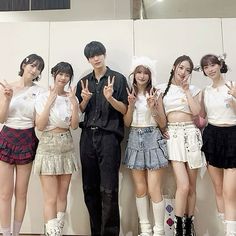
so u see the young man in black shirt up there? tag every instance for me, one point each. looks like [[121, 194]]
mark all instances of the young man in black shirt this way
[[103, 100]]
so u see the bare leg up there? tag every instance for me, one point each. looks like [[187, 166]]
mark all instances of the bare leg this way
[[216, 175], [63, 187], [229, 189], [182, 181], [50, 189], [192, 174], [154, 184], [6, 193], [21, 188]]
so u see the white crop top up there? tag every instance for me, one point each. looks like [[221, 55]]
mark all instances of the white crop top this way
[[175, 99], [216, 101], [21, 113], [60, 112], [142, 115]]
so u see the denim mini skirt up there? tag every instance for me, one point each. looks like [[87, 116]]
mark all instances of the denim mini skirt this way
[[146, 149]]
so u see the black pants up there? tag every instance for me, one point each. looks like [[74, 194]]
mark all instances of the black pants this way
[[100, 159]]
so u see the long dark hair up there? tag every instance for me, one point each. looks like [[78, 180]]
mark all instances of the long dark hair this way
[[177, 62], [213, 59]]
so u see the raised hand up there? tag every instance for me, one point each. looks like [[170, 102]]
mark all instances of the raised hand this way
[[71, 95], [85, 93], [108, 89], [152, 98], [232, 88], [53, 92], [131, 96], [185, 83], [7, 90]]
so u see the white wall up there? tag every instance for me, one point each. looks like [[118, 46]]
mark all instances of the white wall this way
[[163, 40]]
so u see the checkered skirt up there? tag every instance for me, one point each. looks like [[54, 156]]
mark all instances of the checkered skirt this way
[[17, 146]]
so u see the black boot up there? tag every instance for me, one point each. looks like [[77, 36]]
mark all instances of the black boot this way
[[189, 226], [178, 226]]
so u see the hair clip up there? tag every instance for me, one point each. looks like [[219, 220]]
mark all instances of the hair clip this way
[[222, 57], [26, 59], [197, 68]]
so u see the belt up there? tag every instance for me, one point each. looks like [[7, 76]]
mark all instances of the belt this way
[[94, 127]]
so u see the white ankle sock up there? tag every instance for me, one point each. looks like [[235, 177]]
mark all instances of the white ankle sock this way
[[16, 228], [6, 231]]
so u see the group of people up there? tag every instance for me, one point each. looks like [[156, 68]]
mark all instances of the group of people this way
[[163, 130]]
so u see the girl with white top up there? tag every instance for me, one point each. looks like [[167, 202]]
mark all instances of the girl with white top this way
[[219, 138], [181, 103], [18, 142], [55, 161], [146, 152]]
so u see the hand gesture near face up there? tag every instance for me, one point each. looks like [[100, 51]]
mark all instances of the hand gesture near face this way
[[232, 89], [131, 97], [152, 98], [71, 95], [185, 84], [108, 89], [53, 92], [7, 90], [85, 93]]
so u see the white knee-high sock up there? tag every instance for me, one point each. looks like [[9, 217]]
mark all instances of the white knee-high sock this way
[[143, 209], [61, 219], [6, 231], [230, 227], [16, 228], [159, 216]]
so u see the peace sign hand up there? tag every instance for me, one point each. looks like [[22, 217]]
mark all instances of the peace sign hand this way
[[108, 89], [185, 83], [7, 90], [131, 96], [152, 98], [71, 95], [53, 92], [232, 88], [85, 93]]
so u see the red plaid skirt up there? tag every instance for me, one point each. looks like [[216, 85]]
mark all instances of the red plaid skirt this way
[[17, 146]]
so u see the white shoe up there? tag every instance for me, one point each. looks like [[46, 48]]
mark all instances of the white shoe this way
[[145, 234]]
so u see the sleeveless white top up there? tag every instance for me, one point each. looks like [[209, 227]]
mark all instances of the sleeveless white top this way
[[216, 101], [142, 115]]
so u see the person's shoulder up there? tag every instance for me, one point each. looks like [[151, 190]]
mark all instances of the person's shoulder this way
[[115, 73], [38, 88], [43, 95], [161, 87]]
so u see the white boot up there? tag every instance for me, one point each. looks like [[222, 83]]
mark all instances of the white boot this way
[[159, 217], [230, 227], [143, 209], [61, 220], [52, 228]]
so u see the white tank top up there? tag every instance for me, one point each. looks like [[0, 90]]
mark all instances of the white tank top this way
[[142, 115], [21, 110], [216, 101]]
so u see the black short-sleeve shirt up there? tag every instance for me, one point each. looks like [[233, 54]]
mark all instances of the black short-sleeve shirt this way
[[99, 112]]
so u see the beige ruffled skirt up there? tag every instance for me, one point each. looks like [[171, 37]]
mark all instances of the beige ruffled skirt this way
[[55, 154]]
